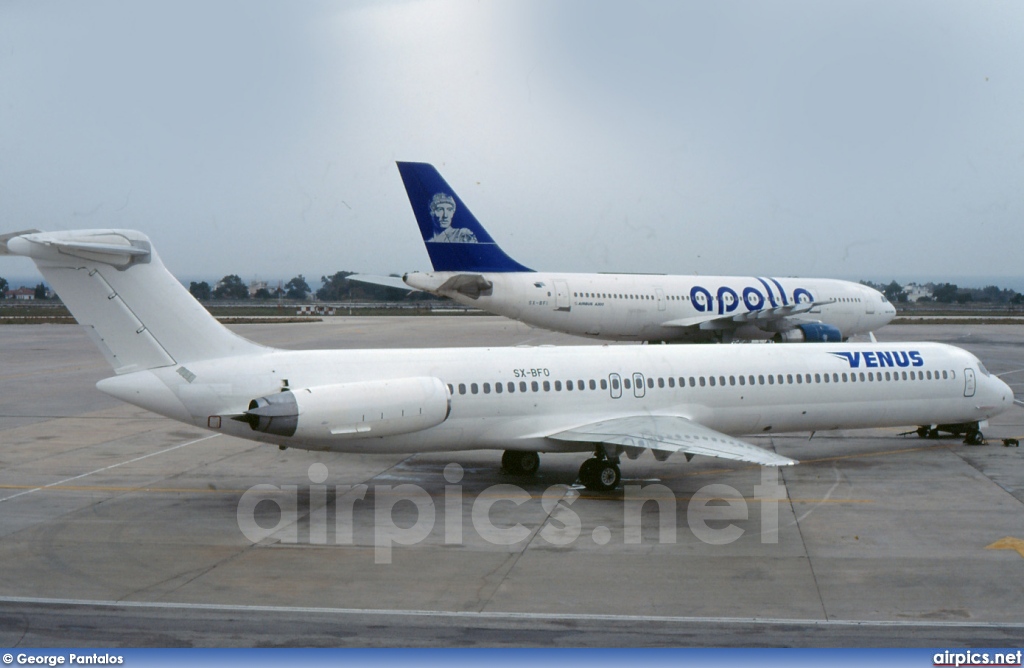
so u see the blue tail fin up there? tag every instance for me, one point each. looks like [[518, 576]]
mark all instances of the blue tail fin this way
[[455, 240]]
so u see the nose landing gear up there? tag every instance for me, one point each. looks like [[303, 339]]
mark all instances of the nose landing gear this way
[[971, 432]]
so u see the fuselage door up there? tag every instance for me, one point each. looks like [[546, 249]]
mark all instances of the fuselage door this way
[[661, 298], [562, 301], [639, 388], [969, 383], [869, 304], [615, 385]]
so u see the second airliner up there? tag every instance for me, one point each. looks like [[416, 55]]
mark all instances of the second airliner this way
[[471, 269]]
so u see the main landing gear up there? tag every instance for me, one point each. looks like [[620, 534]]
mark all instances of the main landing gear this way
[[600, 474], [520, 463]]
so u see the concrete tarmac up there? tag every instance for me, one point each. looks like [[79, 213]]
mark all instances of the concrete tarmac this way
[[122, 528]]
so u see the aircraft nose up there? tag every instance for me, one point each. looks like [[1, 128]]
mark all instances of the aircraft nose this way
[[1001, 392]]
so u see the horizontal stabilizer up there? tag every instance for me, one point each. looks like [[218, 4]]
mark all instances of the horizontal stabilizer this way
[[668, 434], [386, 281], [471, 285], [4, 238]]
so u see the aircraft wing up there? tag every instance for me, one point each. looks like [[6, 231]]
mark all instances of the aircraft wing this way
[[727, 321], [665, 434], [387, 281]]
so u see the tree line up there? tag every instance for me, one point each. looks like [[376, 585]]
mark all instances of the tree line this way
[[950, 293], [336, 288]]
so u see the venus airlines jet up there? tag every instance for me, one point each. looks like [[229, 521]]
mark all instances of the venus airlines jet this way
[[470, 268], [171, 357]]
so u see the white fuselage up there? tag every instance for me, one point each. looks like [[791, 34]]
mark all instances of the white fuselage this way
[[640, 307], [732, 389]]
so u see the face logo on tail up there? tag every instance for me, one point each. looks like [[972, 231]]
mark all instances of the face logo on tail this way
[[442, 210]]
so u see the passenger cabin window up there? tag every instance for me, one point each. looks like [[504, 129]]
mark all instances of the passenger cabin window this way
[[462, 388]]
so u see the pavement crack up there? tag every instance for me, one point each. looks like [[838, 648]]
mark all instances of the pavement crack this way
[[803, 542], [485, 598]]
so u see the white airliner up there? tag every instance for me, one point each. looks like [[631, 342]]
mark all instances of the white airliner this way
[[471, 269], [171, 357]]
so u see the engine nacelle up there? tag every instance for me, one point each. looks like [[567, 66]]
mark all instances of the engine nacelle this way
[[812, 332], [352, 410]]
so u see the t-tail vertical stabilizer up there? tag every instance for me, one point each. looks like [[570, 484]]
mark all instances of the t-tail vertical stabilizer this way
[[115, 285], [455, 239]]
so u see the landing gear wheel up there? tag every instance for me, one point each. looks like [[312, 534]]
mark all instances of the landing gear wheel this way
[[529, 462], [607, 478], [600, 475], [520, 463], [588, 472], [974, 437]]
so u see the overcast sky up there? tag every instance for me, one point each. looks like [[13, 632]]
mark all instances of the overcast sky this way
[[872, 140]]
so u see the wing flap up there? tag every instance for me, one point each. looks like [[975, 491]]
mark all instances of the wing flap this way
[[668, 434]]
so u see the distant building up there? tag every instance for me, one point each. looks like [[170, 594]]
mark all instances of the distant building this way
[[256, 286], [913, 291], [21, 294]]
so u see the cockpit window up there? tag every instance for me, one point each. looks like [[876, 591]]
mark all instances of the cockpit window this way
[[981, 368], [884, 300]]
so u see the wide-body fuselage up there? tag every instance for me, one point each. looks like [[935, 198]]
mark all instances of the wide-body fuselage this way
[[640, 307], [514, 398]]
